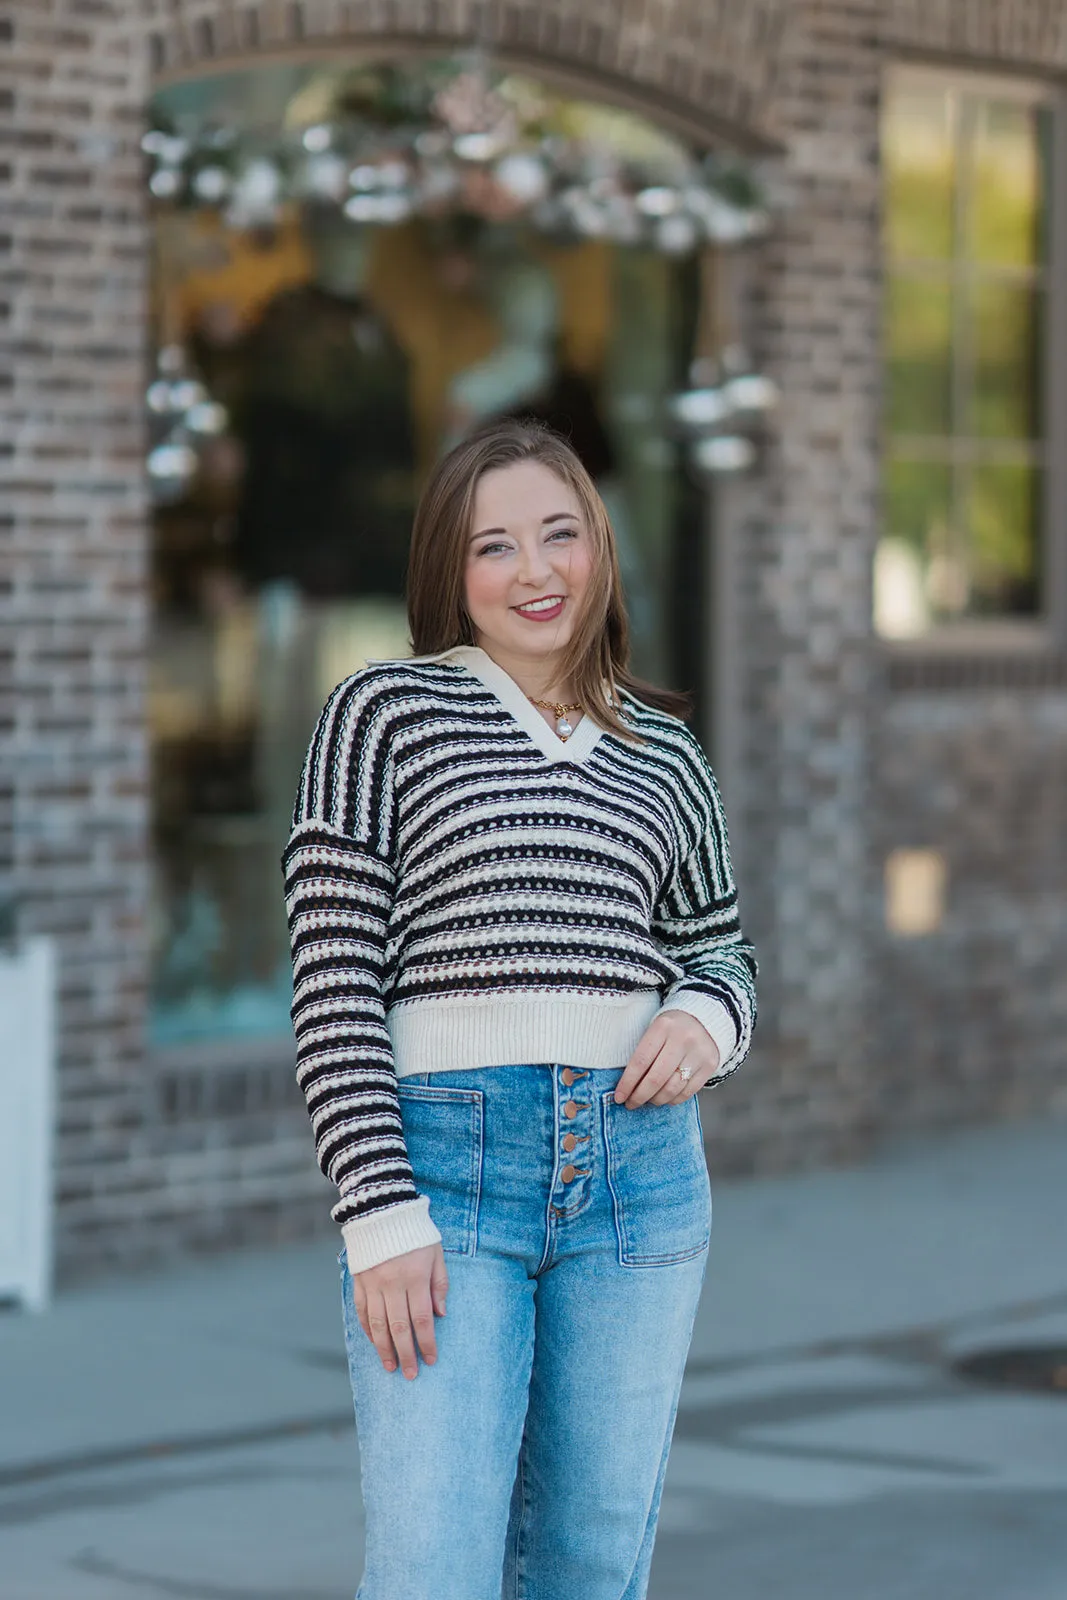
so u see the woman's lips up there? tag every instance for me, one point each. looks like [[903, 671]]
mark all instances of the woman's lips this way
[[544, 614]]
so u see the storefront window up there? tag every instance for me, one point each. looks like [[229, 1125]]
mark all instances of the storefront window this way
[[966, 199], [314, 356]]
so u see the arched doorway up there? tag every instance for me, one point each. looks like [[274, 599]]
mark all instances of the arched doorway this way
[[353, 263]]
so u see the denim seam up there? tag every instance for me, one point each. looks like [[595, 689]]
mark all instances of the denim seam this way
[[524, 1506], [550, 1209]]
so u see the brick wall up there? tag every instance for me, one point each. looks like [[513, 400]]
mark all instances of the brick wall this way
[[1027, 35], [972, 1019], [72, 254], [805, 534], [970, 759], [841, 759], [702, 61]]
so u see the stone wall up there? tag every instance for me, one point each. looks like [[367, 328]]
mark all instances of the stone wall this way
[[844, 754]]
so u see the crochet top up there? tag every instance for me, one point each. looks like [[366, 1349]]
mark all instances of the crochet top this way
[[465, 889]]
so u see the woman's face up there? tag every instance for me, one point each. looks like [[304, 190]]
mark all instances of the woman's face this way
[[528, 543]]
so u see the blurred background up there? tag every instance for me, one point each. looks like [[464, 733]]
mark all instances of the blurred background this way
[[791, 276]]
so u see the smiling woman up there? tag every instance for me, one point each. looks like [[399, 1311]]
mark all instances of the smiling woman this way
[[537, 930], [510, 518]]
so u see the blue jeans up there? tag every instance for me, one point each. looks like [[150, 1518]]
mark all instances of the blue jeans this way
[[527, 1462]]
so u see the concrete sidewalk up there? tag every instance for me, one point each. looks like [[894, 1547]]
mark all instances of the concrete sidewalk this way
[[190, 1434]]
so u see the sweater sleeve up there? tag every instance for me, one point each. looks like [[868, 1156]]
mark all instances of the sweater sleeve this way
[[339, 882], [698, 924]]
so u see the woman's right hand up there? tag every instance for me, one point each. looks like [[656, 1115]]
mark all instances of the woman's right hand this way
[[396, 1302]]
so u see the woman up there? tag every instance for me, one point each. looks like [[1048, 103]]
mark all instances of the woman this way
[[517, 959]]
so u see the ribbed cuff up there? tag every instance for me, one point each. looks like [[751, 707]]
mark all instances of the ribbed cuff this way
[[384, 1234], [713, 1015]]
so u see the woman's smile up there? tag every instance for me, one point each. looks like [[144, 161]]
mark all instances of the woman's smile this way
[[541, 610]]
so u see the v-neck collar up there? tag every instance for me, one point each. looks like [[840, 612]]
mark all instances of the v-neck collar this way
[[479, 664]]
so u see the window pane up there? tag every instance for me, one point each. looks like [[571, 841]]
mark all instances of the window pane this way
[[918, 333], [1002, 511], [918, 575], [1005, 212], [919, 172], [1003, 337]]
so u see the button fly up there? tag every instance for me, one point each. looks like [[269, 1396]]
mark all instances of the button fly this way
[[572, 1183]]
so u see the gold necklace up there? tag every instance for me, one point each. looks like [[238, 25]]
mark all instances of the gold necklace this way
[[564, 726]]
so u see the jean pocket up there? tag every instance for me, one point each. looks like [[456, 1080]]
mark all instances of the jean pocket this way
[[443, 1131], [658, 1177]]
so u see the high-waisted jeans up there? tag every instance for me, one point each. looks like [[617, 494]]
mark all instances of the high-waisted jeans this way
[[527, 1462]]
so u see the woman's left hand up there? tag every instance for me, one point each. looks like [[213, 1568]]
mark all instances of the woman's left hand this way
[[672, 1039]]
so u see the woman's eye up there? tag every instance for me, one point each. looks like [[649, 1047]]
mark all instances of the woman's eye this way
[[565, 533]]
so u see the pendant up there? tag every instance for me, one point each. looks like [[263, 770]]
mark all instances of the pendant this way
[[564, 728]]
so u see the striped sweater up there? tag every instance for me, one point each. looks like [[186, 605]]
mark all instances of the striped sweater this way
[[464, 889]]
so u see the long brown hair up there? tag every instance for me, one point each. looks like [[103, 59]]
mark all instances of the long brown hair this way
[[599, 649]]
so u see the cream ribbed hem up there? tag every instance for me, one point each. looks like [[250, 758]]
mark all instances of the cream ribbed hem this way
[[384, 1234], [442, 1035]]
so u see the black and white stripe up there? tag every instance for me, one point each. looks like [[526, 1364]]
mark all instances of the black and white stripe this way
[[438, 856]]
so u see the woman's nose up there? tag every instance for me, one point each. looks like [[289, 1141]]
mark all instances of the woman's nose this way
[[533, 566]]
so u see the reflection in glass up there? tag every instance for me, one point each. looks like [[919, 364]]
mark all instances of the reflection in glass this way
[[964, 329], [918, 354], [1003, 324], [347, 358], [919, 172], [1002, 518], [1005, 213]]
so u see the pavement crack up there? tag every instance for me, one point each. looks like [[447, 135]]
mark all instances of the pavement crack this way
[[54, 1467], [841, 1455], [921, 1342], [723, 1419]]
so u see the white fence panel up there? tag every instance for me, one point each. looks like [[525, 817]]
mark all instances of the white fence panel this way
[[27, 1100]]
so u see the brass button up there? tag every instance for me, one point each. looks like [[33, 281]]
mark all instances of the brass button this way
[[569, 1141], [568, 1173], [570, 1109], [568, 1076]]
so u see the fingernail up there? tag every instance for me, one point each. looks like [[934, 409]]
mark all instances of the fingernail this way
[[390, 1366]]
